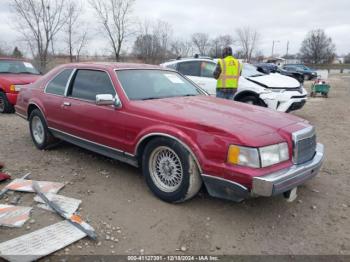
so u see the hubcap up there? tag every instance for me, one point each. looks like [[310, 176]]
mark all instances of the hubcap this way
[[166, 169], [38, 130]]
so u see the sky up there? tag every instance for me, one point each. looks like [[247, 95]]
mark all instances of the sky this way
[[281, 21]]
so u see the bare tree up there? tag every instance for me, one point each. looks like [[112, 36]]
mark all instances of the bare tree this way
[[248, 39], [181, 48], [76, 34], [317, 47], [218, 44], [39, 21], [201, 42], [153, 42], [115, 18]]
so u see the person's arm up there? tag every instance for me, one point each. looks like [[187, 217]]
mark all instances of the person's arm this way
[[217, 71]]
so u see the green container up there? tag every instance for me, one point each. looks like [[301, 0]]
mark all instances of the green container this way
[[322, 89]]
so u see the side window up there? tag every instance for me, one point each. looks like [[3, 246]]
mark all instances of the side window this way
[[57, 86], [207, 69], [190, 68], [89, 83], [172, 66]]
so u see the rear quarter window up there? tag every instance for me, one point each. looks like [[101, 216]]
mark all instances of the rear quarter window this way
[[57, 85]]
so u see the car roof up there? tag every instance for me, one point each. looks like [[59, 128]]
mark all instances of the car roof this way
[[188, 60], [112, 65], [13, 59]]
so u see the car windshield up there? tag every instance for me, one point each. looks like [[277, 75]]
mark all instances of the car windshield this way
[[250, 71], [140, 84], [17, 67]]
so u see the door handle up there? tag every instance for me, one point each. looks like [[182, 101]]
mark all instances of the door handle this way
[[66, 104]]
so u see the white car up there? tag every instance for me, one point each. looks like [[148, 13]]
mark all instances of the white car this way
[[276, 91]]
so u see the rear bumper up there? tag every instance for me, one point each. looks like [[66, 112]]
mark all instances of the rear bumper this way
[[12, 98], [285, 180]]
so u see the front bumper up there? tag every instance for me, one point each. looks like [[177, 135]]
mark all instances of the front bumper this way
[[284, 100], [285, 180], [12, 98]]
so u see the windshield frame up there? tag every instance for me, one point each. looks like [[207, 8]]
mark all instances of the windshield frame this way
[[116, 70], [36, 71]]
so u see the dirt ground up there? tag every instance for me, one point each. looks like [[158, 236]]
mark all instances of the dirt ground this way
[[117, 202]]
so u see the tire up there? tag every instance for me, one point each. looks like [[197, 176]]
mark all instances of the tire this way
[[252, 100], [41, 136], [170, 171], [5, 106]]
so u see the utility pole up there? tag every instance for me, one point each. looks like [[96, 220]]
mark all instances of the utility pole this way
[[273, 46], [287, 49]]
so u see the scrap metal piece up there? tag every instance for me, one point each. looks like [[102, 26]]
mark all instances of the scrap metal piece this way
[[5, 190], [40, 243], [67, 204], [23, 185], [13, 216], [75, 220]]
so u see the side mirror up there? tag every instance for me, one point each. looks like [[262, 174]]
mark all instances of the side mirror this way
[[117, 103], [104, 100]]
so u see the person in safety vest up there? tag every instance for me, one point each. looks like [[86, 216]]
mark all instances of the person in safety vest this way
[[227, 72]]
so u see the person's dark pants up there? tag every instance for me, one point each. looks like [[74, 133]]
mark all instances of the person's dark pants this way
[[226, 93]]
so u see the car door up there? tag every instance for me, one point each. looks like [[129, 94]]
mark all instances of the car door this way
[[54, 95], [99, 124], [208, 82]]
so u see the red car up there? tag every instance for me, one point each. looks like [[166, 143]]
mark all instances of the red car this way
[[14, 73], [156, 119]]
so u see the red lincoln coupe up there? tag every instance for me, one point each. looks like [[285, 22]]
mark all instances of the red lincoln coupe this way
[[156, 119], [14, 73]]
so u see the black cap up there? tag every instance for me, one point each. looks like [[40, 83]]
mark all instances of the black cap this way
[[227, 51]]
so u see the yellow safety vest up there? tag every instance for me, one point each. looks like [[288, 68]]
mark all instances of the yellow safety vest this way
[[230, 72]]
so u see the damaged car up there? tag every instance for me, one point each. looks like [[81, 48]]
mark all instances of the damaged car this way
[[181, 138], [275, 91]]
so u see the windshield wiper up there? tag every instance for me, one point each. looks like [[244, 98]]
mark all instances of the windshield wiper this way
[[256, 75], [27, 73]]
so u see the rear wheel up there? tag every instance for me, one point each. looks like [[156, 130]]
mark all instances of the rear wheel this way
[[39, 131], [5, 106], [170, 171]]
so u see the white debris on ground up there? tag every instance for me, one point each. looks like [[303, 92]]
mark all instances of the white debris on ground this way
[[13, 216], [67, 204], [23, 185]]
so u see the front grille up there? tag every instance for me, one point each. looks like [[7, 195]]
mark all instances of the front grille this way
[[304, 145]]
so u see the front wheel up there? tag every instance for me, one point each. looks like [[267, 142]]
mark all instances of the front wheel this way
[[5, 106], [252, 100], [170, 171]]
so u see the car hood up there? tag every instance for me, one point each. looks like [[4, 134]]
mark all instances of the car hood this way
[[19, 79], [275, 81], [245, 123]]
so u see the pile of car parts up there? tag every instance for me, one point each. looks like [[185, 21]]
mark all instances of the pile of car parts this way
[[47, 240]]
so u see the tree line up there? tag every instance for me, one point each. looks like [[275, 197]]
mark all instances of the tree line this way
[[46, 24]]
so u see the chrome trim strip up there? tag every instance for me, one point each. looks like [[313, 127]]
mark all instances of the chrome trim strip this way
[[295, 175], [89, 141], [69, 82], [225, 180], [22, 116], [172, 137]]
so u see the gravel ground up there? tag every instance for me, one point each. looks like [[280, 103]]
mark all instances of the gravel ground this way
[[130, 220]]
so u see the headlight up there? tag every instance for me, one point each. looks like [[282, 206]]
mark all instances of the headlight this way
[[274, 154], [258, 157], [243, 156]]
